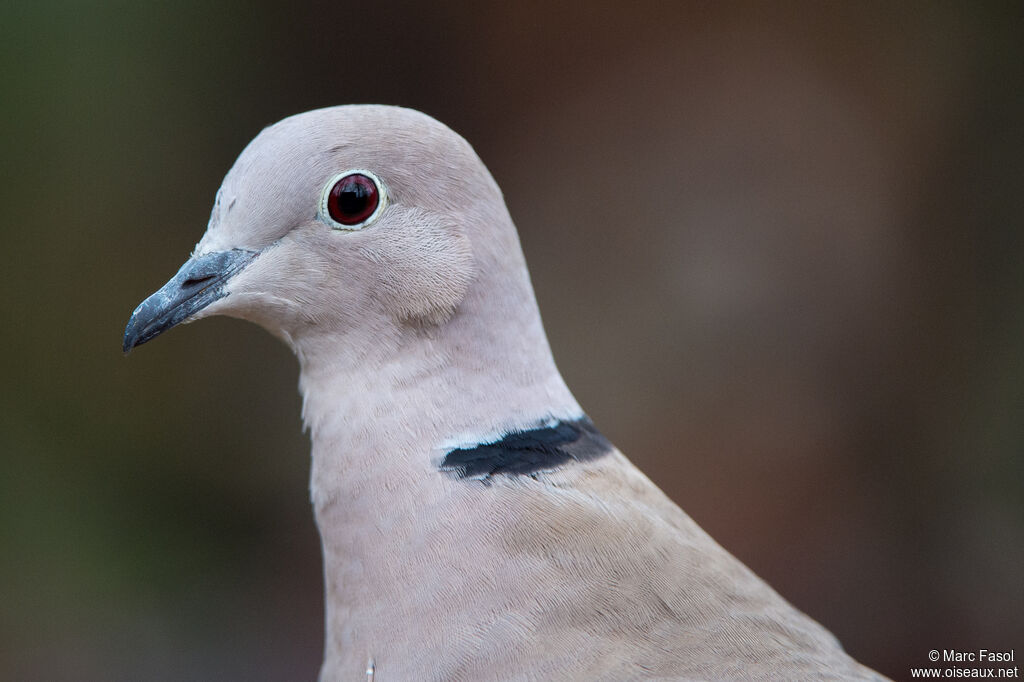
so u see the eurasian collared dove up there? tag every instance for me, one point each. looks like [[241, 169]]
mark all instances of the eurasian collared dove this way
[[475, 524]]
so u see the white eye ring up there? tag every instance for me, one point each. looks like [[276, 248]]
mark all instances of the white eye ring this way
[[342, 209]]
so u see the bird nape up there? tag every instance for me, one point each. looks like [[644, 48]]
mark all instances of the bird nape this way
[[475, 524]]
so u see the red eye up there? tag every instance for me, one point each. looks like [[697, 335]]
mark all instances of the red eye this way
[[353, 199]]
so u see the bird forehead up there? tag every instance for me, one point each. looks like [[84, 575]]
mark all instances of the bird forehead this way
[[273, 186], [277, 181], [255, 206]]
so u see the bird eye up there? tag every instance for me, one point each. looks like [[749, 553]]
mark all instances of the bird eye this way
[[352, 199]]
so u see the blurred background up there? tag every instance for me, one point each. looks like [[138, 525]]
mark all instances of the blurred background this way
[[778, 249]]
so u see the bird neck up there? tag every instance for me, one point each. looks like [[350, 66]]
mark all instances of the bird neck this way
[[388, 385], [381, 420], [430, 397], [384, 407], [374, 432]]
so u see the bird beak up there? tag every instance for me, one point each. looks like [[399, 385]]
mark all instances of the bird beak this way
[[199, 283]]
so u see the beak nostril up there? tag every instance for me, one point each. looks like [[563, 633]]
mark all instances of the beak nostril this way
[[195, 281]]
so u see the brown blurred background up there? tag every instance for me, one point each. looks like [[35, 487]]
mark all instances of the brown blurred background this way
[[778, 249]]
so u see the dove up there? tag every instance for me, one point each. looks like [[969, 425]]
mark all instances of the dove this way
[[475, 524]]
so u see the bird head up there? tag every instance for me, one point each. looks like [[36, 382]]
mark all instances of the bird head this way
[[368, 217]]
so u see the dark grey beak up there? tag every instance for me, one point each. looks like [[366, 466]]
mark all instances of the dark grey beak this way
[[199, 283]]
